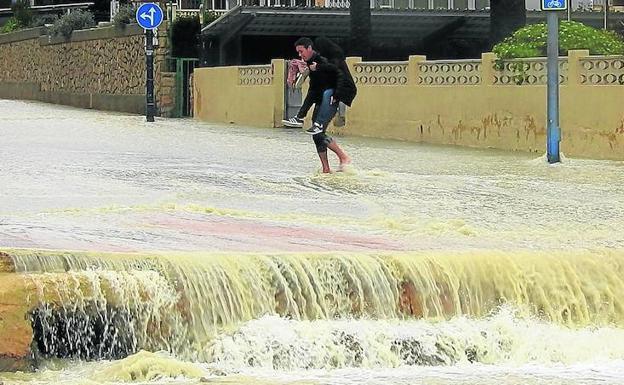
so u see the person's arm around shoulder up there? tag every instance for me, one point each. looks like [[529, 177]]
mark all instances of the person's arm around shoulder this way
[[325, 65]]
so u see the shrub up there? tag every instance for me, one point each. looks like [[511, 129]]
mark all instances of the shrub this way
[[530, 41], [125, 16], [22, 17], [209, 17], [45, 19], [75, 20], [10, 26]]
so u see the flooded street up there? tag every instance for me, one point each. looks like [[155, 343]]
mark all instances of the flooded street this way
[[79, 179], [530, 254]]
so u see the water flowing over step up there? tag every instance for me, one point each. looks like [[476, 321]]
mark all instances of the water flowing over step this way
[[94, 306]]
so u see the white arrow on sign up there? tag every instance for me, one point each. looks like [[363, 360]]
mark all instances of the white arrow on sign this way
[[149, 15]]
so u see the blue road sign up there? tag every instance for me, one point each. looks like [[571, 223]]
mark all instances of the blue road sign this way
[[149, 15], [554, 5]]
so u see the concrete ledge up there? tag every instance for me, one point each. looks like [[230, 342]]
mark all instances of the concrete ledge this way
[[16, 332], [25, 34], [109, 32], [106, 32], [134, 104], [20, 301], [15, 90], [66, 98]]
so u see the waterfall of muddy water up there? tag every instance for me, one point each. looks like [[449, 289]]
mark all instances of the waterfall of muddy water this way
[[326, 311], [207, 251]]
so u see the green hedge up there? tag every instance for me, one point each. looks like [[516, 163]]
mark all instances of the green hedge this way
[[530, 41]]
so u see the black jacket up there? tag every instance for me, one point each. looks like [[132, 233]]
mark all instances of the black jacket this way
[[345, 86], [324, 77]]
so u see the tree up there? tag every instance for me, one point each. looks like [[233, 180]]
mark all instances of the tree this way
[[360, 15], [22, 13], [506, 16]]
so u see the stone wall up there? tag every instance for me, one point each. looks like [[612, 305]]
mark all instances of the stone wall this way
[[102, 68]]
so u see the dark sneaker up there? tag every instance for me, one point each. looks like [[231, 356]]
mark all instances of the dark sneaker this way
[[293, 122], [315, 129]]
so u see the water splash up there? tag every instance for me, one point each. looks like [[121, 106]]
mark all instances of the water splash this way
[[503, 338], [102, 314]]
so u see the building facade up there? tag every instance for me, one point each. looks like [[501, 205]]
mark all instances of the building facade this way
[[396, 4]]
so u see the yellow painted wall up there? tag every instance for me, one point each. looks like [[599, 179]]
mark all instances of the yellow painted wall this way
[[508, 116], [219, 96]]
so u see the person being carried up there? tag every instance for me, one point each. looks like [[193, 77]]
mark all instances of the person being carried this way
[[323, 84], [298, 71]]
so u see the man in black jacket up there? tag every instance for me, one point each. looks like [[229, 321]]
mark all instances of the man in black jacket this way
[[324, 79]]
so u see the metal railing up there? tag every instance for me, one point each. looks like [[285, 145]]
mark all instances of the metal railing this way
[[226, 5]]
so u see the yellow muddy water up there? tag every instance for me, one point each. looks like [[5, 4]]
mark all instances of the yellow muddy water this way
[[203, 253]]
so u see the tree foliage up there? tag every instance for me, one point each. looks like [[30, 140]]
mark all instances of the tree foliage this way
[[184, 33]]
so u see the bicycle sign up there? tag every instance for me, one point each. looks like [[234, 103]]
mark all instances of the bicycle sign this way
[[554, 5], [149, 15]]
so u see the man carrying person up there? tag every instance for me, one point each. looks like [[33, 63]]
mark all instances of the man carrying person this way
[[327, 82]]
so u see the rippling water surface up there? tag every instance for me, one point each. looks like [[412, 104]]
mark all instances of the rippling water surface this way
[[77, 178]]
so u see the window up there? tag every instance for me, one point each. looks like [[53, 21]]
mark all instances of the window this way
[[421, 4]]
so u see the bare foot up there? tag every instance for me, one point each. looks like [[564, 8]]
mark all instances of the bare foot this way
[[344, 163], [327, 171]]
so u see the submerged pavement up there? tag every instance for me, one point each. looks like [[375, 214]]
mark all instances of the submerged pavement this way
[[90, 180]]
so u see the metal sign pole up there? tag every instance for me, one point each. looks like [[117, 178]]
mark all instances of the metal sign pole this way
[[149, 16], [149, 65], [553, 132]]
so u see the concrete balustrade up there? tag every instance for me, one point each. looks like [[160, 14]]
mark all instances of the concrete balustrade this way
[[460, 102]]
